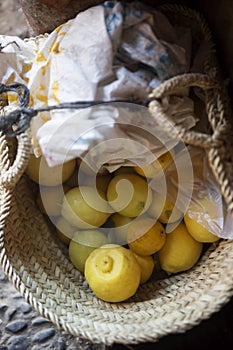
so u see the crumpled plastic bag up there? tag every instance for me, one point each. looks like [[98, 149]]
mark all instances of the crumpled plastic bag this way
[[190, 185]]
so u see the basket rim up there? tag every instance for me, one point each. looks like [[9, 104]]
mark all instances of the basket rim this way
[[47, 280]]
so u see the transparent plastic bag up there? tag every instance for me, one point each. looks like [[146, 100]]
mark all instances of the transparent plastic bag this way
[[193, 189]]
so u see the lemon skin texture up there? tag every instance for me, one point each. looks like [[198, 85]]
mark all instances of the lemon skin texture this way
[[198, 232], [154, 168], [129, 195], [112, 273], [82, 244], [147, 265], [39, 171], [118, 231], [85, 208], [180, 251], [146, 236], [163, 209]]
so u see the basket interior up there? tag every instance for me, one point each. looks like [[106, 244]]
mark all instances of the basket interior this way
[[39, 267]]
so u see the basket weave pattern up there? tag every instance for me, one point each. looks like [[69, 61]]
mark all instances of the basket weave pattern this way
[[38, 265]]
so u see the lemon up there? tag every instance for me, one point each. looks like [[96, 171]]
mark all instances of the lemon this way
[[120, 220], [180, 251], [152, 169], [113, 273], [49, 199], [39, 171], [147, 265], [198, 232], [82, 244], [119, 227], [101, 182], [146, 236], [84, 207], [163, 209], [65, 231], [204, 211], [129, 195]]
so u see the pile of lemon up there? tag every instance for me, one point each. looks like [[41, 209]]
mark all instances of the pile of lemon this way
[[114, 224]]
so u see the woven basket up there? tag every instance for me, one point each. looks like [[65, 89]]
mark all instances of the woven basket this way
[[38, 266]]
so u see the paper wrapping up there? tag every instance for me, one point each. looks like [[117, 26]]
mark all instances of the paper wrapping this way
[[108, 52]]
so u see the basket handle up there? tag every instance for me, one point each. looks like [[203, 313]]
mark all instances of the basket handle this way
[[170, 86], [11, 173], [219, 144]]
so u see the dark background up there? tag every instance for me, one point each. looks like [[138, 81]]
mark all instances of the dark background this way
[[214, 333]]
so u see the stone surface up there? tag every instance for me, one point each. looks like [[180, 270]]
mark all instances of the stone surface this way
[[22, 328], [16, 326], [12, 19], [43, 18], [39, 320], [18, 343], [9, 313], [43, 335], [25, 308]]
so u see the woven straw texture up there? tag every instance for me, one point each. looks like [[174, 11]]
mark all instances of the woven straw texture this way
[[39, 268]]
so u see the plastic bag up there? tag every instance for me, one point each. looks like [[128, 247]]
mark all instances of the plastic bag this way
[[193, 189]]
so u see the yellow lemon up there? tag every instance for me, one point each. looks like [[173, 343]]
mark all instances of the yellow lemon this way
[[50, 199], [129, 195], [39, 171], [204, 213], [120, 220], [65, 231], [82, 244], [199, 232], [147, 265], [101, 182], [146, 236], [152, 169], [180, 251], [119, 226], [113, 273], [163, 209], [84, 207]]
